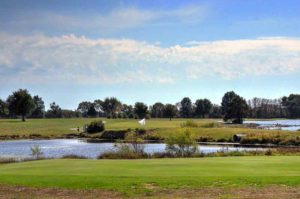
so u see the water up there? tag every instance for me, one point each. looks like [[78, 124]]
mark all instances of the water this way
[[59, 147], [290, 125]]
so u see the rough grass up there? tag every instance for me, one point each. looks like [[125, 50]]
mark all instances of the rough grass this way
[[134, 176]]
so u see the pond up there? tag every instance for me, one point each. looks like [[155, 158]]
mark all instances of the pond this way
[[59, 147], [290, 125]]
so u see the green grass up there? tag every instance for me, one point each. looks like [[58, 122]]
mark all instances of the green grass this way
[[132, 176], [160, 127], [60, 126]]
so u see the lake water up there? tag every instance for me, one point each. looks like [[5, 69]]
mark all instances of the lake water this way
[[290, 125], [59, 147]]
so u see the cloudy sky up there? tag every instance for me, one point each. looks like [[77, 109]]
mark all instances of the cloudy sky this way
[[70, 51]]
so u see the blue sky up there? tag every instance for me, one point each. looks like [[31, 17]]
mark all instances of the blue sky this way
[[70, 51]]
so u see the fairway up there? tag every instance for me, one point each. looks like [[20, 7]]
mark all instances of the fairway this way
[[133, 176], [60, 126]]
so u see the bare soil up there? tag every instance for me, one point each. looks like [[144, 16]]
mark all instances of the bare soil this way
[[269, 192]]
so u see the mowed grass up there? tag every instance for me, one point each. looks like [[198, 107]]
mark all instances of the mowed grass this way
[[62, 126], [160, 127], [135, 176]]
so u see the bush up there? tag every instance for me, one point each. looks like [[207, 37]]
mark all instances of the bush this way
[[8, 160], [140, 131], [36, 152], [183, 144], [124, 151], [132, 148], [209, 125], [74, 156], [189, 123], [114, 134], [95, 127]]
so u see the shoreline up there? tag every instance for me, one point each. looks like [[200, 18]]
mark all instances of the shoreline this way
[[97, 140]]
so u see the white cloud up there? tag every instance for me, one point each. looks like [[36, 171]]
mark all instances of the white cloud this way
[[70, 59]]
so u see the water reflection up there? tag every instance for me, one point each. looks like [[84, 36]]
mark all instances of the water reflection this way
[[61, 147]]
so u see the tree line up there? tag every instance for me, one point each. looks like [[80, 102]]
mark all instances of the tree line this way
[[232, 109]]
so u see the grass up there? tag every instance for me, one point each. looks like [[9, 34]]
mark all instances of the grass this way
[[161, 128], [134, 176]]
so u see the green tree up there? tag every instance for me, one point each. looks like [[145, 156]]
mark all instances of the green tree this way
[[39, 110], [292, 103], [234, 108], [92, 111], [203, 107], [111, 106], [140, 109], [157, 110], [128, 111], [83, 108], [3, 109], [98, 104], [170, 111], [20, 103], [54, 112], [186, 108], [216, 111]]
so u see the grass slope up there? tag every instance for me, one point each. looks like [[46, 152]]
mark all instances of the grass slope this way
[[133, 176]]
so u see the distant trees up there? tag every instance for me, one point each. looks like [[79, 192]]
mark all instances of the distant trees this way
[[87, 109], [186, 107], [66, 113], [20, 103], [128, 111], [292, 103], [216, 111], [4, 112], [54, 112], [266, 108], [39, 107], [234, 107], [203, 108], [140, 109], [170, 111], [98, 105], [83, 108], [157, 110], [111, 106]]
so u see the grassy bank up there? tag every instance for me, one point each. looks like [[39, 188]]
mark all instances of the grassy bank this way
[[137, 176], [207, 130]]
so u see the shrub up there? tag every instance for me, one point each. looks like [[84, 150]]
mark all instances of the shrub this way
[[140, 131], [189, 123], [95, 127], [268, 152], [183, 144], [36, 152], [124, 151], [8, 160], [209, 125], [74, 156], [136, 143], [114, 134], [131, 148]]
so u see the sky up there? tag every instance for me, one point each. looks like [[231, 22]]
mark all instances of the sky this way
[[71, 51]]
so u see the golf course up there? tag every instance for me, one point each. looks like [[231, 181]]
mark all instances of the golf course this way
[[141, 178], [208, 177], [205, 129]]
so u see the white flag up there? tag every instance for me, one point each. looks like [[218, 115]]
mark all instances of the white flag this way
[[142, 122]]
